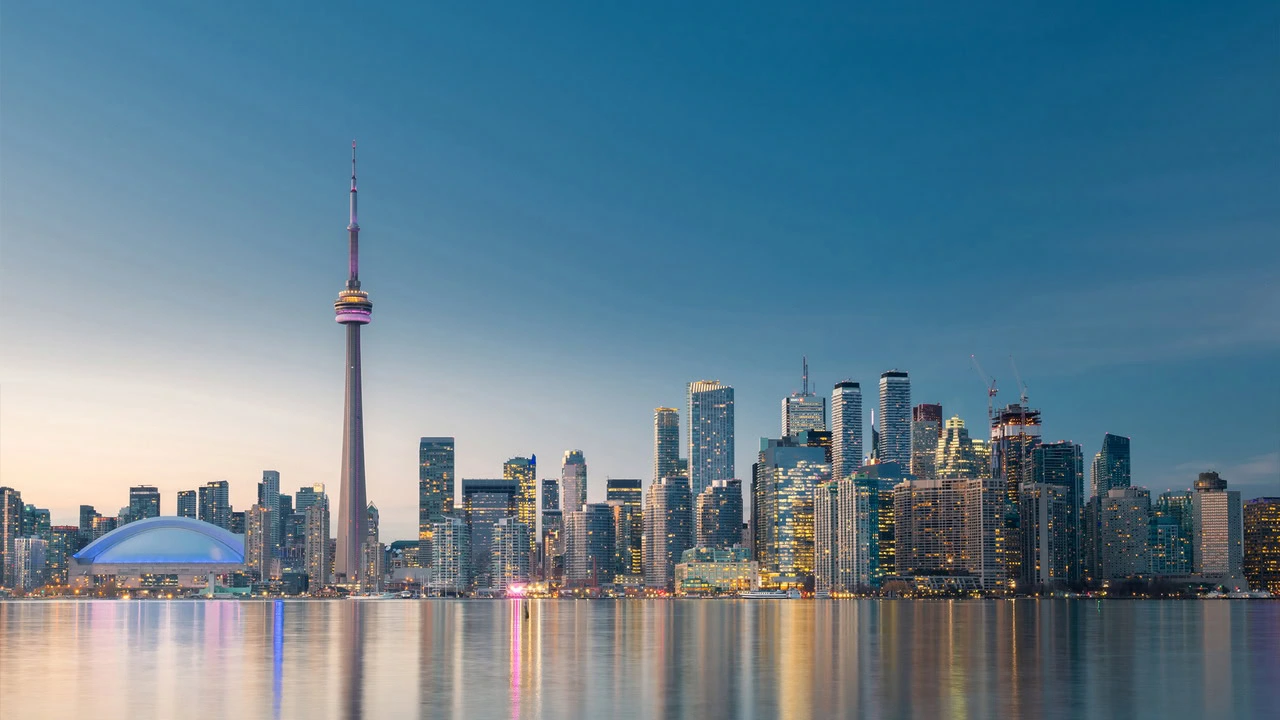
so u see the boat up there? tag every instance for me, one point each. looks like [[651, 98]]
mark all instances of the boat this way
[[792, 594], [406, 595], [373, 596]]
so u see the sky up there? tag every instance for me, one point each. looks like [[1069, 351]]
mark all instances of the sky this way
[[570, 212]]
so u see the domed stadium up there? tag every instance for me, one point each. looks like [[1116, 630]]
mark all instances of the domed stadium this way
[[160, 552]]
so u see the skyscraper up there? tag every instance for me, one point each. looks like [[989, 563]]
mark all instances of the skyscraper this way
[[450, 556], [28, 569], [955, 456], [525, 472], [435, 487], [589, 545], [144, 502], [926, 429], [787, 474], [1047, 532], [10, 530], [803, 410], [510, 553], [1124, 534], [187, 504], [215, 503], [895, 418], [846, 428], [269, 497], [710, 434], [668, 529], [718, 514], [308, 496], [317, 543], [352, 310], [373, 552], [552, 520], [1062, 464], [65, 542], [1111, 465], [1217, 528], [950, 524], [258, 542], [573, 481], [666, 442], [36, 522], [1262, 544], [1015, 431], [484, 503]]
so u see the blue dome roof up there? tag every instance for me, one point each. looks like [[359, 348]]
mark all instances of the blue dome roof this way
[[168, 540]]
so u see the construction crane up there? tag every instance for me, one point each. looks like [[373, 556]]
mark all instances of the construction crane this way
[[1021, 385], [990, 382]]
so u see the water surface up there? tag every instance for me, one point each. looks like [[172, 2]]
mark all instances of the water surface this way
[[640, 659]]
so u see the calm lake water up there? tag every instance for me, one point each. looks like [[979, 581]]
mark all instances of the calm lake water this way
[[642, 659]]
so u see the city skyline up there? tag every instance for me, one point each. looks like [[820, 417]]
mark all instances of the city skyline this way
[[468, 250]]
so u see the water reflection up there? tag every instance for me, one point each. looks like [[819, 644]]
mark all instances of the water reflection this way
[[568, 659]]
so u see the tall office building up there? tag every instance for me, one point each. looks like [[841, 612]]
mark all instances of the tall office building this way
[[573, 480], [450, 556], [373, 553], [1110, 466], [846, 428], [1124, 533], [1015, 432], [627, 499], [215, 503], [1060, 464], [589, 546], [1169, 553], [718, 514], [64, 542], [269, 497], [35, 522], [955, 456], [239, 521], [1217, 528], [484, 503], [28, 570], [352, 310], [926, 430], [854, 540], [510, 553], [258, 542], [803, 410], [10, 530], [525, 472], [187, 504], [950, 524], [435, 486], [144, 502], [787, 474], [1262, 544], [552, 550], [318, 561], [826, 537], [87, 516], [668, 529], [710, 434], [308, 496], [666, 442], [895, 418], [1047, 533]]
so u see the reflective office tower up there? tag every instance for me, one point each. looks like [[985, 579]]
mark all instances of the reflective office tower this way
[[895, 418], [144, 502], [238, 522], [10, 530], [955, 456], [450, 556], [87, 516], [258, 543], [863, 544], [269, 497], [1169, 554], [666, 442], [1110, 466], [317, 546], [1061, 464], [950, 524], [627, 499], [28, 568], [803, 410], [510, 553], [553, 546], [786, 476], [668, 529], [1217, 526], [1015, 431], [35, 522], [352, 310], [589, 546], [573, 480], [435, 485], [215, 503], [926, 430], [718, 514], [1262, 544], [1046, 514], [525, 472], [373, 552], [710, 434], [284, 502], [846, 428], [64, 542], [1124, 534], [484, 503], [551, 524], [308, 496], [187, 504]]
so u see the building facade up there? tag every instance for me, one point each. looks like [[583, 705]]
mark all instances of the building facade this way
[[1261, 527], [450, 557], [714, 571], [949, 527], [926, 430], [711, 433], [435, 488], [1124, 529], [718, 514], [188, 506], [1111, 466], [318, 559], [589, 546], [895, 418], [215, 503], [525, 472], [1217, 528], [484, 503], [786, 476], [846, 428], [668, 530], [666, 442], [510, 550], [573, 481], [144, 502]]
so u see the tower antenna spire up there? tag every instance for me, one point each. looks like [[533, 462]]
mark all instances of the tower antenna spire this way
[[804, 359], [353, 231]]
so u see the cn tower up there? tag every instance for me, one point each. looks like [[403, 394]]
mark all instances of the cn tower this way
[[353, 309]]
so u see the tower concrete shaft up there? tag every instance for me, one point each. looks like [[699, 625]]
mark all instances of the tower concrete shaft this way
[[352, 309]]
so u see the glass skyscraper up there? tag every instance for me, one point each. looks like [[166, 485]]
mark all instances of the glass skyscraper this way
[[926, 429], [187, 504], [1262, 544], [666, 443], [1111, 466], [435, 488], [1062, 464], [525, 471], [846, 428], [573, 481], [786, 476], [718, 514], [668, 529], [710, 434], [895, 418], [589, 545], [485, 502], [144, 502], [215, 503]]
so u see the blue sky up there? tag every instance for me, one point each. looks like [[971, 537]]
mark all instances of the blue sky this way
[[571, 212]]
